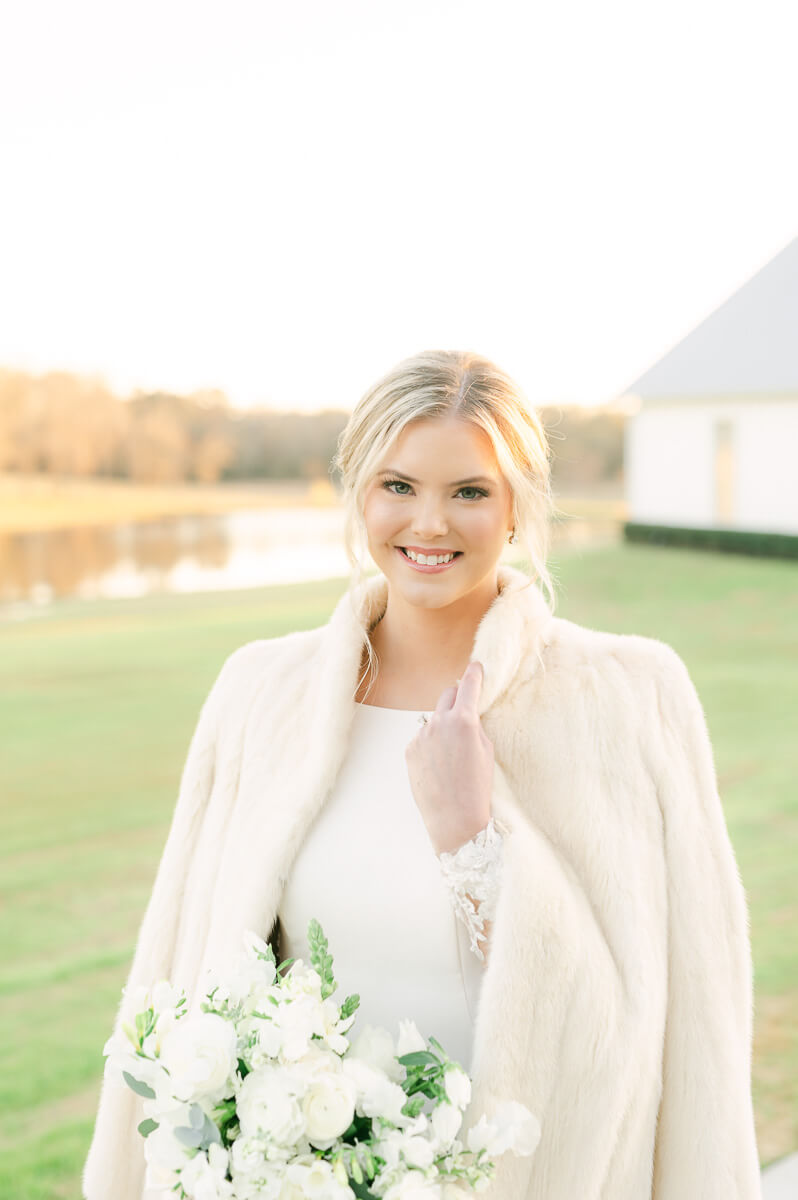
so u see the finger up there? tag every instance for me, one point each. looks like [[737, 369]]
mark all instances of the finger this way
[[470, 686], [446, 699]]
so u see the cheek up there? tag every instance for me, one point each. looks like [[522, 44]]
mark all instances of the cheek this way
[[378, 516], [487, 523]]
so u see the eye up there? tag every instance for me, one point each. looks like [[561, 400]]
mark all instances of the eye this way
[[391, 484]]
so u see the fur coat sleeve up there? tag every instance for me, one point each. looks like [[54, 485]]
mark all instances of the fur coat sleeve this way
[[120, 1175], [705, 1143]]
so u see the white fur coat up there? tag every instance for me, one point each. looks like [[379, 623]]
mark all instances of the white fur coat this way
[[617, 999]]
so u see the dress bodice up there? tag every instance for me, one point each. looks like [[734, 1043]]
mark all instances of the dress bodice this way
[[368, 872]]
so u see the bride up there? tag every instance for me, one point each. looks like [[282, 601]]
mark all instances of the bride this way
[[508, 824]]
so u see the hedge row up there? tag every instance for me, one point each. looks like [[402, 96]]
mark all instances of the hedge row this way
[[732, 541]]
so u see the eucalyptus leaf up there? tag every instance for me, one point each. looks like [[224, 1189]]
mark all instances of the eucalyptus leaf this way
[[145, 1128], [141, 1089], [417, 1058]]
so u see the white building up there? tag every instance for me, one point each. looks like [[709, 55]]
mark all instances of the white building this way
[[714, 442]]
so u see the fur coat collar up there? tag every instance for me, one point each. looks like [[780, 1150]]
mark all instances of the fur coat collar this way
[[616, 1001]]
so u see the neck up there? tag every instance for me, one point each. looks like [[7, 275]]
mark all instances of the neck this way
[[417, 644]]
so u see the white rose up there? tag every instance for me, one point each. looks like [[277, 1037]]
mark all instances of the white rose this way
[[410, 1040], [200, 1056], [458, 1086], [446, 1121], [328, 1106], [375, 1046], [266, 1103]]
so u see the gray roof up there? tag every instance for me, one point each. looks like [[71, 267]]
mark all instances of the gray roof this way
[[749, 345]]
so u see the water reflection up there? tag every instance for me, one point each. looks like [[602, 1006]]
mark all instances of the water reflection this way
[[248, 548]]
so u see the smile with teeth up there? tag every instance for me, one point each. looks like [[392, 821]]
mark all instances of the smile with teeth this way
[[429, 560]]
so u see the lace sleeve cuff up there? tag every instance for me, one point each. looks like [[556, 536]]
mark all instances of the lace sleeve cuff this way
[[473, 876]]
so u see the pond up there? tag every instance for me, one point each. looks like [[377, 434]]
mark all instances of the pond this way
[[246, 548]]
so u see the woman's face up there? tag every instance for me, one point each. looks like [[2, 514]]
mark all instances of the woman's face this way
[[417, 501]]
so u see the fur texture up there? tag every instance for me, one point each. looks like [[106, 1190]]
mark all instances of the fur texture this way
[[617, 996]]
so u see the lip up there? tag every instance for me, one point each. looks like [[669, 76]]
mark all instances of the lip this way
[[428, 568]]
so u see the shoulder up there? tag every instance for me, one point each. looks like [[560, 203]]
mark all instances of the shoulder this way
[[261, 663], [642, 671]]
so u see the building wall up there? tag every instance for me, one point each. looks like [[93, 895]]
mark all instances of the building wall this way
[[732, 464]]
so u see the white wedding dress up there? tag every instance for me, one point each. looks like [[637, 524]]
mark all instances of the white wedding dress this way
[[368, 872]]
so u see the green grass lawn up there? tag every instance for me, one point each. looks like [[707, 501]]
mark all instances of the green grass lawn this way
[[97, 704]]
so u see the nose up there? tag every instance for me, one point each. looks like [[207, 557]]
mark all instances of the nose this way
[[429, 520]]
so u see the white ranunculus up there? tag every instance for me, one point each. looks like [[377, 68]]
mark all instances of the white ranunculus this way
[[246, 1154], [375, 1046], [410, 1040], [446, 1121], [458, 1086], [266, 1103], [200, 1056], [329, 1106]]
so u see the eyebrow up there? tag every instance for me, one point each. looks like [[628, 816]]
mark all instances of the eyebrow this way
[[454, 483]]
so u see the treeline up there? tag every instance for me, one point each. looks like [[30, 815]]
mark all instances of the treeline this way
[[64, 424]]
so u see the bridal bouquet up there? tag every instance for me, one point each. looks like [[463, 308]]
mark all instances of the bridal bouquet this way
[[260, 1095]]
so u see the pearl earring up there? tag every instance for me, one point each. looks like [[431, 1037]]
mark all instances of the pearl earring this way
[[513, 537]]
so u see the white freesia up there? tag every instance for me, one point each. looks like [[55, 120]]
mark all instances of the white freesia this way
[[410, 1040], [377, 1095], [446, 1120], [315, 1178], [298, 1020], [407, 1146], [414, 1186], [375, 1046], [458, 1086], [334, 1026], [165, 1157], [203, 1178], [121, 1056], [200, 1056], [512, 1127]]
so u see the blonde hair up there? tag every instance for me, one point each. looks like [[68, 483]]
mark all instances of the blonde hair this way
[[451, 383]]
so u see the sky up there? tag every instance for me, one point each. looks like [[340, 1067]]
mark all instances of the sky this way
[[282, 200]]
